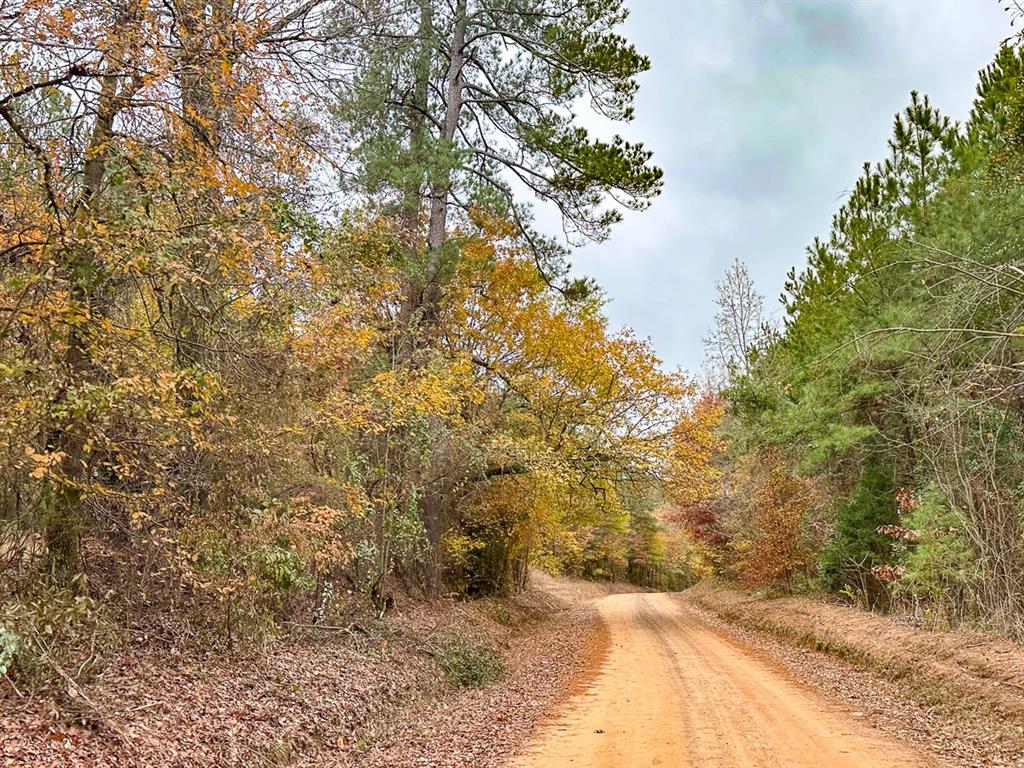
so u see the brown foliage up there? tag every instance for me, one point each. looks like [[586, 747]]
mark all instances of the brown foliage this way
[[777, 547]]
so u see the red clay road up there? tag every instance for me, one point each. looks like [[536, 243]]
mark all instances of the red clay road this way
[[673, 692]]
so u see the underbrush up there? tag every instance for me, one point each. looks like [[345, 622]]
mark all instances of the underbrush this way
[[468, 662], [54, 639]]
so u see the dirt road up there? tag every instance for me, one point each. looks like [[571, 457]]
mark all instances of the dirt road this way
[[673, 692]]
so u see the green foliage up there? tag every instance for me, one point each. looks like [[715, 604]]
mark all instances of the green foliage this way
[[941, 567], [856, 546], [510, 114], [502, 615], [896, 368], [468, 662], [277, 567], [250, 573], [54, 638]]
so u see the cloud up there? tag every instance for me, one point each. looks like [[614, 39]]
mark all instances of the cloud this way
[[761, 116]]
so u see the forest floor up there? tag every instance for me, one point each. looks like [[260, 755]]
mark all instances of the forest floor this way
[[365, 694], [595, 678]]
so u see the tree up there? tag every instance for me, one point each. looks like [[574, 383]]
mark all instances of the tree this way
[[777, 548], [146, 150], [738, 325], [238, 394], [476, 102], [694, 475], [453, 110], [896, 376], [574, 414]]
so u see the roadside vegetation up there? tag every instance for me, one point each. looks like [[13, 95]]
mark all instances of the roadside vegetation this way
[[870, 445], [279, 338], [468, 662], [281, 348]]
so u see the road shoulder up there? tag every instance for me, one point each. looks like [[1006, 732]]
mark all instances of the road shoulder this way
[[952, 693]]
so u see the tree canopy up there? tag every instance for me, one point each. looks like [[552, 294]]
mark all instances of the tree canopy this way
[[886, 406], [275, 324]]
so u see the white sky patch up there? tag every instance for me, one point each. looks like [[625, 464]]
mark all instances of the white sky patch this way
[[761, 116]]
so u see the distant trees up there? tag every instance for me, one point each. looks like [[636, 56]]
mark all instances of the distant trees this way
[[738, 325]]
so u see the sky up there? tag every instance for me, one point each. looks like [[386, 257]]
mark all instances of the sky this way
[[762, 115]]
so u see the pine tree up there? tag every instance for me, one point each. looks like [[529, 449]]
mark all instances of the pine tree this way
[[476, 103]]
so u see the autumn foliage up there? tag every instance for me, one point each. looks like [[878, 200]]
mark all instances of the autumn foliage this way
[[775, 545], [254, 365], [695, 469]]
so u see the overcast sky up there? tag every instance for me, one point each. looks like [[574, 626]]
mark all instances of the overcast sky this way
[[761, 116]]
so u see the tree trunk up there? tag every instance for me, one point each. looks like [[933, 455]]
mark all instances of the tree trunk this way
[[199, 75], [91, 289], [421, 308], [438, 221]]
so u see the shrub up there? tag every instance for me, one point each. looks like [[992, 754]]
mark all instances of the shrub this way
[[247, 576], [856, 545], [778, 550], [941, 570], [468, 662], [54, 638]]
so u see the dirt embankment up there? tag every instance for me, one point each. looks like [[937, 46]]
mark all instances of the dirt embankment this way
[[952, 689], [366, 695]]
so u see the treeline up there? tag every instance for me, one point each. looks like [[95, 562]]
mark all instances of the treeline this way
[[873, 445], [275, 325]]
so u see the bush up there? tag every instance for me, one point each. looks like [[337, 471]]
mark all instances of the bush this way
[[54, 638], [8, 648], [941, 570], [248, 577], [502, 615], [468, 662], [779, 551]]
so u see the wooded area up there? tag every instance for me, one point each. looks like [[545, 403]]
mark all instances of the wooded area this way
[[872, 442], [278, 334], [276, 328]]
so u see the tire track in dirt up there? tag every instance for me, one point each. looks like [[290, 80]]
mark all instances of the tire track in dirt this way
[[674, 692]]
